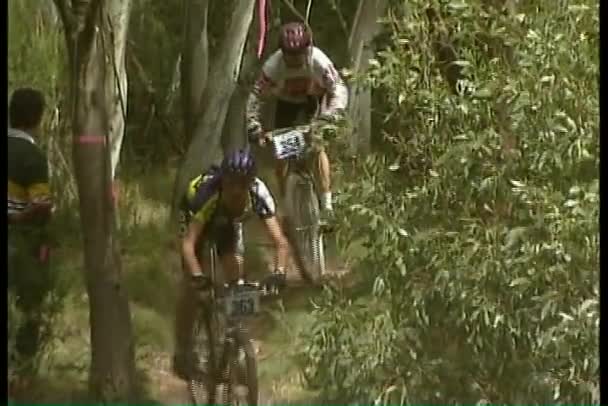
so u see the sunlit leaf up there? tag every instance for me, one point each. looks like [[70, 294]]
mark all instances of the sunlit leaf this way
[[519, 281]]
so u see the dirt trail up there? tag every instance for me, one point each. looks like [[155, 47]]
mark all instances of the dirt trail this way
[[278, 374], [276, 333]]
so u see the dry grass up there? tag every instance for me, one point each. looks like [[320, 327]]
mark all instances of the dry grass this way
[[151, 267]]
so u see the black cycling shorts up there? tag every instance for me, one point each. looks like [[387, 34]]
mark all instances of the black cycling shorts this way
[[286, 113], [225, 234]]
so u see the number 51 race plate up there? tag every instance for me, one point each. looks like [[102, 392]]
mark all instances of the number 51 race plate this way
[[242, 304]]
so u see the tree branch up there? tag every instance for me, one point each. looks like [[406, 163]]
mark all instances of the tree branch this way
[[162, 115], [295, 11], [142, 73], [174, 86], [65, 13], [308, 9], [341, 18]]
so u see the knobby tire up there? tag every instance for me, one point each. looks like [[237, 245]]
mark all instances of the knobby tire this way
[[201, 388], [239, 372], [304, 227]]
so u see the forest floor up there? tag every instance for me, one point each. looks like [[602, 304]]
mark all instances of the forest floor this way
[[151, 266]]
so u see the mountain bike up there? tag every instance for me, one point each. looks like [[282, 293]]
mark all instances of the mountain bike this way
[[298, 145], [226, 356]]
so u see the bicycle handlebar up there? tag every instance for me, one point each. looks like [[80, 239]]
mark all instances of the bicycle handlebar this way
[[317, 124], [260, 286]]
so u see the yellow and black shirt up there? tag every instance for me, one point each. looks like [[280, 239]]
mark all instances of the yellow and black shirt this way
[[201, 201], [28, 173]]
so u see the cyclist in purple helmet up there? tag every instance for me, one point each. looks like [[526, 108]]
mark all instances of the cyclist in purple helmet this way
[[213, 209]]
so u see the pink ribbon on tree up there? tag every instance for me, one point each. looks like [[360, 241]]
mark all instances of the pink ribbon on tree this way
[[114, 191], [263, 14]]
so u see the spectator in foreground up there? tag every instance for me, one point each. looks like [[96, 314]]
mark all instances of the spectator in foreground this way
[[29, 209]]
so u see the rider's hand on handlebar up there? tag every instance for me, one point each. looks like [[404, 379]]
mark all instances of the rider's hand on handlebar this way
[[330, 118], [264, 139], [200, 281], [254, 131]]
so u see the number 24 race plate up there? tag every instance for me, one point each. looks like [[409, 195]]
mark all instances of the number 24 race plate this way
[[289, 144]]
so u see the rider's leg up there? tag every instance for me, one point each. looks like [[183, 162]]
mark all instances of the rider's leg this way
[[281, 175], [185, 317], [231, 265], [324, 180], [231, 249], [313, 106], [286, 115]]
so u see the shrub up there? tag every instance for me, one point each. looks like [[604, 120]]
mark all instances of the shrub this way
[[478, 276]]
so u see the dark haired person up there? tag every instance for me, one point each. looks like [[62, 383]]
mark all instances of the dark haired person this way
[[29, 209]]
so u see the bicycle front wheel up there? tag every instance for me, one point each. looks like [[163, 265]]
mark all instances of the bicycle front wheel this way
[[202, 388], [304, 226], [240, 375]]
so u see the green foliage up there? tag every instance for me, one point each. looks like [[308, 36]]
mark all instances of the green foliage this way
[[479, 277], [36, 58], [14, 319], [154, 43], [36, 51]]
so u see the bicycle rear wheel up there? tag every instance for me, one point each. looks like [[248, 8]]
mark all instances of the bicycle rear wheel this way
[[239, 372], [303, 215]]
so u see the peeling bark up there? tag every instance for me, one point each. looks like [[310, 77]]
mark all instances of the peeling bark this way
[[364, 29], [195, 61], [221, 82], [234, 131], [93, 93], [118, 23]]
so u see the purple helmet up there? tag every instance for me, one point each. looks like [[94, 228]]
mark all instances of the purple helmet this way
[[239, 162]]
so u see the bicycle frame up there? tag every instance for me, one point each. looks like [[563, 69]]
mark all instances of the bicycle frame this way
[[296, 146], [226, 325], [305, 165], [226, 337]]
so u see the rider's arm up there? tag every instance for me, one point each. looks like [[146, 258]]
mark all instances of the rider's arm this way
[[262, 88], [39, 212], [265, 207], [337, 97], [254, 111], [280, 242], [193, 233], [336, 90], [254, 116]]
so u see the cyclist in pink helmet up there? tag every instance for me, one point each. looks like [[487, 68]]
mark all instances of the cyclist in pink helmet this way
[[303, 80]]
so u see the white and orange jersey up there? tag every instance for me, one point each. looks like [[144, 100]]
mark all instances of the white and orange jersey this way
[[318, 77]]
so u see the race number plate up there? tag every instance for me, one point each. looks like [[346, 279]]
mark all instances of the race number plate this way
[[242, 304], [289, 144]]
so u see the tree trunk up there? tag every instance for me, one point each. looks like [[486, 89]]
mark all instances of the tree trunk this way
[[234, 132], [222, 80], [364, 29], [112, 371], [118, 24], [195, 61], [49, 12]]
